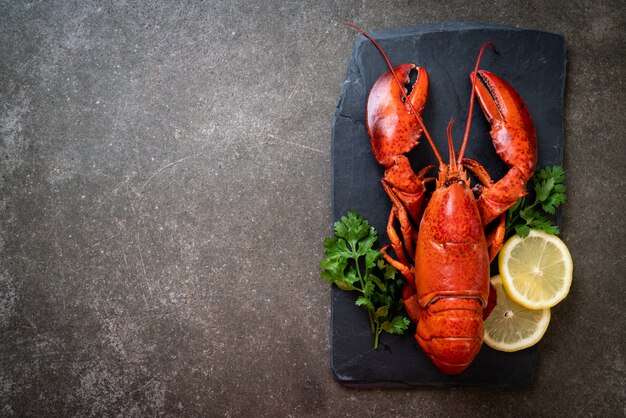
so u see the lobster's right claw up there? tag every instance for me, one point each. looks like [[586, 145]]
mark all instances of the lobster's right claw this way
[[392, 129], [514, 138]]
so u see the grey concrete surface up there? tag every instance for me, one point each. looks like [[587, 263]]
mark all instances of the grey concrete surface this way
[[165, 190]]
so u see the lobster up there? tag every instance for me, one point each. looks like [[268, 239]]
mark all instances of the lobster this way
[[446, 261]]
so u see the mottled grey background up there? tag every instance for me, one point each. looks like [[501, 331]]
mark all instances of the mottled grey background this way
[[165, 190]]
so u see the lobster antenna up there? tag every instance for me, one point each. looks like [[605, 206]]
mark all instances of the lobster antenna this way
[[471, 106], [450, 143], [406, 98]]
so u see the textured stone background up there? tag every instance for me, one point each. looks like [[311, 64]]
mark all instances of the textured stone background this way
[[165, 190]]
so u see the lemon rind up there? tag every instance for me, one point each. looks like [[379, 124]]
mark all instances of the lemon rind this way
[[542, 327], [506, 276]]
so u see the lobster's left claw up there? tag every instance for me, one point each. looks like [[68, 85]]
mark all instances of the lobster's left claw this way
[[393, 131], [514, 138]]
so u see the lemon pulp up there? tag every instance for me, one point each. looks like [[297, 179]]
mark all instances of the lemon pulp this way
[[512, 327], [536, 271]]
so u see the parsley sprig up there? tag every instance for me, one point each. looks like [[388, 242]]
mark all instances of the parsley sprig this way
[[353, 265], [549, 195]]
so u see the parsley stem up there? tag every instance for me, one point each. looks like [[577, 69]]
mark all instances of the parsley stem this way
[[373, 325], [358, 272], [377, 332]]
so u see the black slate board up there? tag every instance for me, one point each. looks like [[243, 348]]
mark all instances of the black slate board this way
[[532, 62]]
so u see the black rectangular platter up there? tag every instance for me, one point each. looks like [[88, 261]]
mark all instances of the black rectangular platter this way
[[534, 63]]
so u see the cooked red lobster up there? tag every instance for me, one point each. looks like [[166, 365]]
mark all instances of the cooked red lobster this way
[[446, 262]]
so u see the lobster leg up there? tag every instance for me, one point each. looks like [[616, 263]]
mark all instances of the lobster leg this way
[[494, 241], [514, 138], [405, 269], [478, 170], [400, 212], [411, 302], [409, 294], [396, 243], [496, 238]]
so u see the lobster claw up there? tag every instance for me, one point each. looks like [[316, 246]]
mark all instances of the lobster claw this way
[[392, 129], [514, 138]]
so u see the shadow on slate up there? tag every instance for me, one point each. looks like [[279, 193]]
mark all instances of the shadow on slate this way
[[533, 63]]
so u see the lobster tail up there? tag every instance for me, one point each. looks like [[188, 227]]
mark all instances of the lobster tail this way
[[450, 331], [451, 279]]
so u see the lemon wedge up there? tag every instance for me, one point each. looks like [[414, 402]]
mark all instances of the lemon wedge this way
[[537, 270], [512, 327]]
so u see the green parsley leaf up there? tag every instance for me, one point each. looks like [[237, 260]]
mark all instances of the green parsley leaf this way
[[549, 195], [522, 231], [363, 301], [528, 214], [397, 325], [379, 283], [555, 172], [352, 229], [351, 276], [382, 311], [344, 285], [543, 189], [371, 257], [334, 247], [335, 267], [369, 288], [352, 264]]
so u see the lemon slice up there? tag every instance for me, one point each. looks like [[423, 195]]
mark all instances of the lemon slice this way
[[537, 270], [512, 327]]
